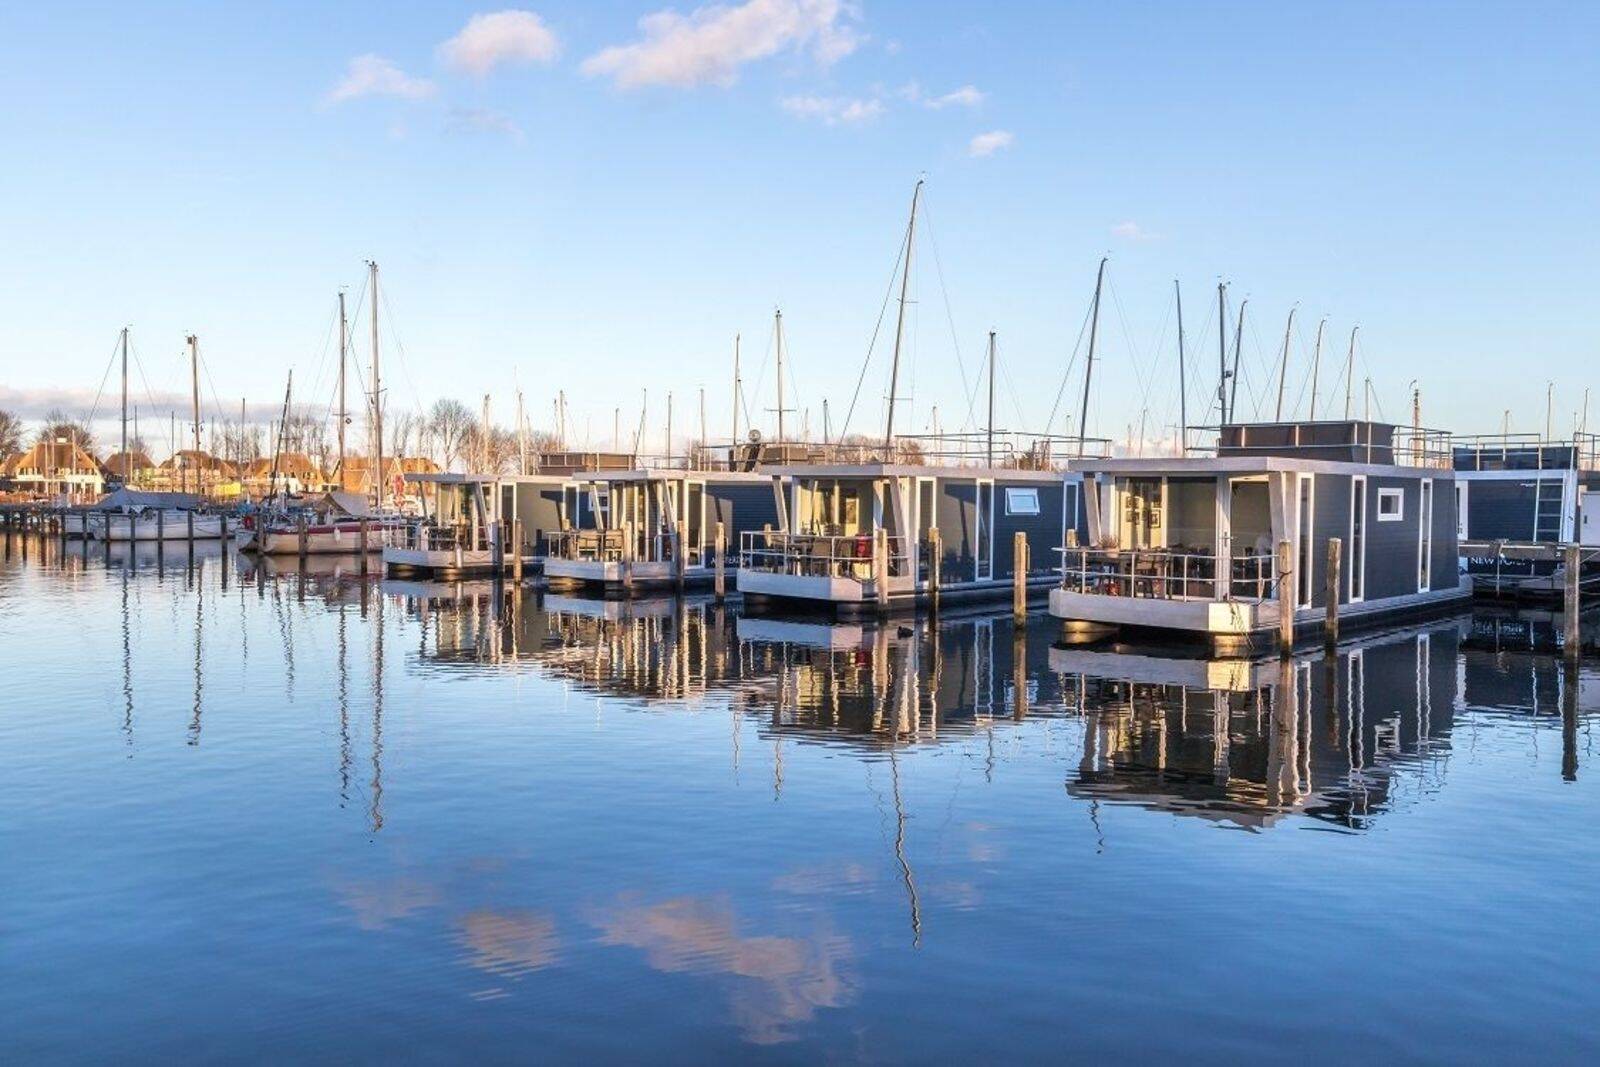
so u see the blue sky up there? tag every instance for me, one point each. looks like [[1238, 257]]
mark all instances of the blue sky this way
[[605, 222]]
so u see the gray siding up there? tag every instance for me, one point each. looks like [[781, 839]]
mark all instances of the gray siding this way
[[1501, 508], [1391, 551], [1043, 531], [739, 508]]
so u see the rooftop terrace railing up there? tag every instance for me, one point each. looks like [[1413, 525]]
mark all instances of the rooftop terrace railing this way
[[1013, 449], [1526, 451], [1163, 574]]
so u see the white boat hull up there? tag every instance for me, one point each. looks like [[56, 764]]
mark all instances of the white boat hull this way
[[339, 539], [169, 526]]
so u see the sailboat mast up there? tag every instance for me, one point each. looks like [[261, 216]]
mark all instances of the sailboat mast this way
[[376, 423], [344, 345], [522, 438], [900, 321], [277, 444], [1316, 363], [125, 477], [1283, 365], [1088, 370], [1222, 350], [777, 326], [194, 381], [989, 443], [1183, 378], [1350, 372], [1238, 338], [735, 390]]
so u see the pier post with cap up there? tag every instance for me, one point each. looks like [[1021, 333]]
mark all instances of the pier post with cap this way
[[1572, 642], [1019, 577], [1286, 598], [935, 566], [722, 564], [1330, 626], [880, 568], [516, 551]]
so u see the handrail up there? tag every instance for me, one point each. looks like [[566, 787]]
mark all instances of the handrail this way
[[1162, 574], [818, 555]]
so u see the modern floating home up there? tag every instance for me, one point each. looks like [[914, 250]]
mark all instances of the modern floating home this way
[[1188, 547], [471, 521], [880, 537], [1519, 498], [653, 529]]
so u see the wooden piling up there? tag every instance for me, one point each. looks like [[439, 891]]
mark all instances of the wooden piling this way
[[361, 545], [722, 574], [161, 526], [880, 568], [304, 536], [1286, 598], [935, 566], [1571, 639], [516, 551], [1019, 577], [188, 519], [497, 549], [1330, 627], [680, 556]]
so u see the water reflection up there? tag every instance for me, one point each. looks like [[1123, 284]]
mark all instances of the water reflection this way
[[769, 821]]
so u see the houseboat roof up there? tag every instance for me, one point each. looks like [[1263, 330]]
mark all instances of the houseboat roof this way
[[915, 470], [661, 474], [1200, 466], [452, 478]]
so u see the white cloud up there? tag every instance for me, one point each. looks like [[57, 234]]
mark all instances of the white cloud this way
[[987, 144], [483, 120], [1132, 231], [372, 75], [486, 41], [709, 45], [966, 96], [832, 110]]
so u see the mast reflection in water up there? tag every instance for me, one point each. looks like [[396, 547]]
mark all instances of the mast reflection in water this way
[[328, 816]]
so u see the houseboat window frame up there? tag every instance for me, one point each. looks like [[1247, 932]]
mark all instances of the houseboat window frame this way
[[1016, 493], [1391, 493], [1305, 535], [1425, 505], [1356, 586], [983, 564], [1461, 509]]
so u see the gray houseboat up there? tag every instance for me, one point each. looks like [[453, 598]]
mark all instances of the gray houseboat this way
[[882, 537], [642, 529], [1189, 546]]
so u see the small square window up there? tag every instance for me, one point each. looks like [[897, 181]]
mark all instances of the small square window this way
[[1391, 505], [1022, 501]]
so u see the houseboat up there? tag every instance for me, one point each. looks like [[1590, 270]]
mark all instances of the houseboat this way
[[1187, 547], [879, 537], [459, 532], [1519, 498], [623, 528]]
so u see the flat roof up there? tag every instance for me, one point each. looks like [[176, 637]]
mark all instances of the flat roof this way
[[916, 470], [1203, 465]]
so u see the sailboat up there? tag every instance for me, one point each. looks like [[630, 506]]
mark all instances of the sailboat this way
[[338, 522], [133, 515]]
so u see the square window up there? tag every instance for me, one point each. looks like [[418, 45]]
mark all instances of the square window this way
[[1022, 501], [1391, 505]]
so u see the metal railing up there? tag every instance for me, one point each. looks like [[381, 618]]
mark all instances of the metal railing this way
[[1012, 449], [617, 546], [817, 555], [1160, 574], [1526, 451]]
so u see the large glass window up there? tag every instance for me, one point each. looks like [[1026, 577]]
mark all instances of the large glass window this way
[[1425, 536], [985, 518], [1358, 538], [1305, 526]]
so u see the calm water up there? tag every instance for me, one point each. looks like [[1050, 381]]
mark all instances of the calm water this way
[[246, 814]]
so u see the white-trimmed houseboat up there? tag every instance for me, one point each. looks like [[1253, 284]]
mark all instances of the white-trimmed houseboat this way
[[1187, 547]]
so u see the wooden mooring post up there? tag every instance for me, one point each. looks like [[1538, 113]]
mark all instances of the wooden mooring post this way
[[880, 568], [1572, 641], [188, 518], [1019, 577], [361, 545], [1286, 598], [304, 537], [1330, 626], [680, 556], [722, 563], [516, 551], [935, 566]]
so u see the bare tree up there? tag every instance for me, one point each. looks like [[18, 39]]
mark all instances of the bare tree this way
[[403, 427], [449, 421], [58, 424], [10, 433]]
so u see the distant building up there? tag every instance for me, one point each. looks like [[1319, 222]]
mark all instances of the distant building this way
[[134, 468], [52, 469], [291, 472], [193, 471], [356, 475]]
